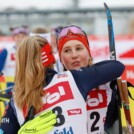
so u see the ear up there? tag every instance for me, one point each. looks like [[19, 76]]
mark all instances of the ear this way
[[90, 61]]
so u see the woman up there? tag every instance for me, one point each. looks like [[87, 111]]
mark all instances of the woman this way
[[74, 53], [38, 85]]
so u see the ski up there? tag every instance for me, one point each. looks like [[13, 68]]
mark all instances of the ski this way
[[110, 33], [113, 55]]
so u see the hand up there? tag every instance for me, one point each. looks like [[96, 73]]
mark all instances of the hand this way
[[41, 124]]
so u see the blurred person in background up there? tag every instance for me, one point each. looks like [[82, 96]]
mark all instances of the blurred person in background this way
[[54, 35], [8, 62], [7, 56], [39, 86], [43, 32], [74, 53]]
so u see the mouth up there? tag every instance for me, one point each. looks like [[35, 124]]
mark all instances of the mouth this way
[[76, 63]]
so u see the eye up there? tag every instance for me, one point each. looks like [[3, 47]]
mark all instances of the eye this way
[[67, 50], [79, 48]]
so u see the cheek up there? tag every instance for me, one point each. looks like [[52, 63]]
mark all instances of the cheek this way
[[85, 60], [65, 60]]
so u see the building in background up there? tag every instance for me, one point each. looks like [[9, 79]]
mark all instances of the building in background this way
[[88, 14]]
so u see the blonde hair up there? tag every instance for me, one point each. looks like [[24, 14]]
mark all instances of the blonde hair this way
[[30, 73]]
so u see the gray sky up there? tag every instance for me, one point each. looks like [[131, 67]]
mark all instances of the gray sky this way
[[49, 4]]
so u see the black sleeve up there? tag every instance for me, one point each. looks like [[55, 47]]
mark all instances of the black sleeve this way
[[98, 74], [9, 123]]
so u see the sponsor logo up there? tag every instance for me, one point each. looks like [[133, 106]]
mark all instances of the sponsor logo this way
[[74, 111], [62, 75], [5, 120], [78, 69], [129, 73], [34, 130], [96, 99], [58, 93], [128, 54], [64, 131], [100, 51]]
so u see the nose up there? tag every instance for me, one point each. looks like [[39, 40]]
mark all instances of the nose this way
[[74, 54]]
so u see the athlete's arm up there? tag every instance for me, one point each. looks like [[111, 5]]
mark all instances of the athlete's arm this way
[[41, 124], [98, 74], [9, 123], [3, 56]]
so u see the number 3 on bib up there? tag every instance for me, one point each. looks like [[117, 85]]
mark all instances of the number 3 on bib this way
[[60, 116]]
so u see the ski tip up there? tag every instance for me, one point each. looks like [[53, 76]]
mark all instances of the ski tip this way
[[105, 5]]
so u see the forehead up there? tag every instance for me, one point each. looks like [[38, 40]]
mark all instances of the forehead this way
[[72, 43]]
